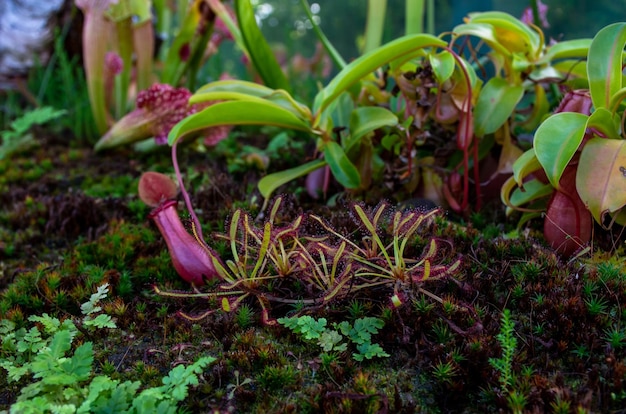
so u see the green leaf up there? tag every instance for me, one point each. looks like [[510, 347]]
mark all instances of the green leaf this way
[[244, 90], [50, 324], [14, 373], [32, 341], [406, 46], [330, 340], [37, 116], [368, 351], [366, 119], [556, 141], [364, 328], [268, 184], [603, 121], [305, 325], [601, 176], [47, 361], [483, 31], [232, 85], [101, 321], [261, 54], [90, 307], [116, 400], [510, 32], [99, 387], [567, 49], [340, 165], [340, 111], [236, 113], [178, 379], [526, 164], [617, 99], [496, 103], [604, 64], [81, 362], [533, 190], [311, 328], [442, 64]]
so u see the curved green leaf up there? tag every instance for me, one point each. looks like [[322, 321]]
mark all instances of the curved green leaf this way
[[235, 85], [237, 113], [526, 217], [369, 62], [443, 65], [567, 49], [607, 124], [496, 103], [339, 111], [556, 142], [573, 69], [366, 119], [261, 54], [540, 108], [616, 100], [340, 165], [601, 176], [604, 64], [533, 190], [268, 184], [244, 90], [483, 31], [515, 197], [511, 32], [525, 165]]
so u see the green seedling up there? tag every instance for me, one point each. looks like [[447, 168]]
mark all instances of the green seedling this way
[[18, 136], [337, 338]]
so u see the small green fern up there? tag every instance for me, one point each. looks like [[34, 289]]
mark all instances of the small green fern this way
[[335, 340], [65, 383], [18, 136]]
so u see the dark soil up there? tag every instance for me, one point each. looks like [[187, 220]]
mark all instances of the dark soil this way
[[70, 220]]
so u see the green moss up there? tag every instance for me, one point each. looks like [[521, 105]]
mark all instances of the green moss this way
[[274, 378], [110, 186]]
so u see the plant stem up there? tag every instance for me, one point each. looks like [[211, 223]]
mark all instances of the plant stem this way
[[535, 8], [95, 31], [375, 24], [181, 185], [414, 17], [430, 16]]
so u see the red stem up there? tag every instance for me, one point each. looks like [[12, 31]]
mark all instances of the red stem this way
[[179, 178], [466, 109]]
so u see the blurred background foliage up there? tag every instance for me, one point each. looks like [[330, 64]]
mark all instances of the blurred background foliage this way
[[344, 21], [60, 83]]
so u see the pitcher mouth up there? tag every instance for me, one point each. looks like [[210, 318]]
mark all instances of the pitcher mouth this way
[[161, 207]]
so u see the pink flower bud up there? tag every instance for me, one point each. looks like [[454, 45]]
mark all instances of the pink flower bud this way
[[113, 63], [528, 18]]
